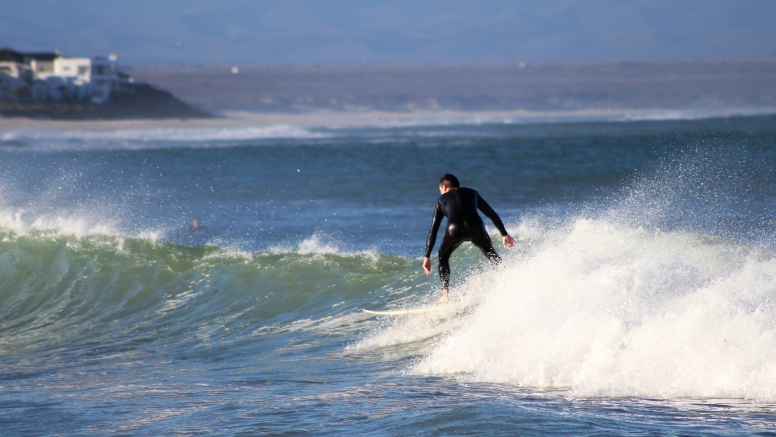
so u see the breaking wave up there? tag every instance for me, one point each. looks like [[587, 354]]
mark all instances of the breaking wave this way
[[143, 138], [604, 310], [62, 294], [667, 291]]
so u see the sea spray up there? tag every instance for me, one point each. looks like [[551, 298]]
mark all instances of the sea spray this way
[[715, 186], [610, 311]]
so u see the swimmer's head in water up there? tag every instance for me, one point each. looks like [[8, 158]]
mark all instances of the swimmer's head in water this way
[[449, 181]]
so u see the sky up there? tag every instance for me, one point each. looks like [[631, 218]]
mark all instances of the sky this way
[[253, 32]]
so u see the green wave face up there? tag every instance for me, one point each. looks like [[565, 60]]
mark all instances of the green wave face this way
[[61, 294]]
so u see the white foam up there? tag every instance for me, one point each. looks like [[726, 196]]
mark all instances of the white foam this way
[[316, 244], [521, 117], [230, 252], [320, 244], [610, 311], [693, 114], [99, 228], [191, 136], [21, 222]]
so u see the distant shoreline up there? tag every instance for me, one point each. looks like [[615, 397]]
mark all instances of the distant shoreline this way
[[340, 119], [375, 95], [476, 87], [144, 102]]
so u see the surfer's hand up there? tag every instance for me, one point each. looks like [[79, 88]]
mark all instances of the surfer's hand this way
[[427, 265], [508, 241]]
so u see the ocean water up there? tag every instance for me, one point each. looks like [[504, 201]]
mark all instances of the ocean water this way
[[640, 299]]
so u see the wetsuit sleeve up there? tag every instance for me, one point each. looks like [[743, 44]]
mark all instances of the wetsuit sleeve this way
[[483, 206], [432, 234]]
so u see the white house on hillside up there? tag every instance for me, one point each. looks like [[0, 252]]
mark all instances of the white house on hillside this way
[[18, 81], [106, 78], [77, 70], [65, 77]]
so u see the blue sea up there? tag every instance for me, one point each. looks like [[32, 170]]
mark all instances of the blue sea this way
[[640, 298]]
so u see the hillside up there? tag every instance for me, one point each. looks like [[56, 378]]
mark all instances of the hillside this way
[[146, 102]]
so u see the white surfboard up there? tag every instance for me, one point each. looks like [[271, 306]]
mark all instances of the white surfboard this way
[[406, 311]]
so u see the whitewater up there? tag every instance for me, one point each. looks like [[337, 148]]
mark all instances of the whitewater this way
[[640, 299]]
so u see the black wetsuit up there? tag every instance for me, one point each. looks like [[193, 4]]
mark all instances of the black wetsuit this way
[[460, 206]]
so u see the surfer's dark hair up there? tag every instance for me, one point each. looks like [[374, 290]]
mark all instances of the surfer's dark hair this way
[[449, 181]]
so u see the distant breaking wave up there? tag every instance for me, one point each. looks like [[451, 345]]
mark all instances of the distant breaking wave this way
[[523, 118], [359, 125], [176, 135]]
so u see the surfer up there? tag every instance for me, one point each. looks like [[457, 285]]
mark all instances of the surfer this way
[[196, 226], [460, 205]]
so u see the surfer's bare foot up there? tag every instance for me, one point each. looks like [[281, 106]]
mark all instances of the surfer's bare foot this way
[[444, 297]]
